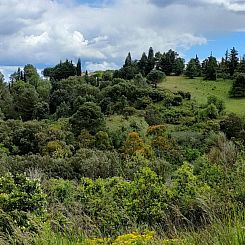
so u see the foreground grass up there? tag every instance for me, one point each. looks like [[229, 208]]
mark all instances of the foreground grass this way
[[229, 230], [200, 90], [217, 234]]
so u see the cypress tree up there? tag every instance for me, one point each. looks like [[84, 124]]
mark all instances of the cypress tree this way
[[79, 67], [143, 64], [128, 61]]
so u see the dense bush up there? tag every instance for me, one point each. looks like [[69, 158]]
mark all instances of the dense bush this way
[[21, 200]]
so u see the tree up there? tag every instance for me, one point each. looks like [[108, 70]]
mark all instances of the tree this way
[[155, 77], [79, 67], [89, 117], [223, 69], [1, 77], [60, 71], [178, 66], [6, 99], [30, 75], [128, 61], [233, 61], [209, 67], [41, 110], [44, 88], [241, 66], [171, 63], [150, 61], [198, 66], [129, 69], [25, 97], [142, 64], [191, 69], [16, 76], [238, 86]]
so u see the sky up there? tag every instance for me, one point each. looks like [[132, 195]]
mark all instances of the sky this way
[[102, 32]]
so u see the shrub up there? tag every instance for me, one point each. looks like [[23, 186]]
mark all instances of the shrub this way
[[102, 141], [135, 145], [20, 196], [232, 126], [210, 112], [153, 116], [177, 100], [57, 149], [219, 103]]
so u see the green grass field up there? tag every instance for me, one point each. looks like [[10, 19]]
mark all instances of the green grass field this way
[[200, 90]]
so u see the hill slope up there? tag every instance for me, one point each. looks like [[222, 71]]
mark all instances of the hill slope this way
[[200, 90]]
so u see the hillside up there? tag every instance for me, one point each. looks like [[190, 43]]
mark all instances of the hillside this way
[[117, 157], [201, 89]]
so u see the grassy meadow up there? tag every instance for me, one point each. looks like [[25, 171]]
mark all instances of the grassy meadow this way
[[201, 89]]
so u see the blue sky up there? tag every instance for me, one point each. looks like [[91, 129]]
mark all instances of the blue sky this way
[[102, 32], [218, 44]]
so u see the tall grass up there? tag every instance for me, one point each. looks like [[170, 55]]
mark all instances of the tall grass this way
[[229, 230]]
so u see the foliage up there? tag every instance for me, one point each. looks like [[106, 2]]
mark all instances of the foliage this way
[[25, 97], [20, 198], [193, 68], [60, 71], [88, 116], [209, 67], [217, 102], [134, 145], [155, 77], [233, 61], [232, 126], [117, 157], [238, 86]]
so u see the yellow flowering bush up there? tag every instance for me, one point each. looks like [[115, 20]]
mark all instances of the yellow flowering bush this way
[[135, 238]]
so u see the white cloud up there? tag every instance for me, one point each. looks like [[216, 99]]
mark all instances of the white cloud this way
[[233, 5], [101, 66], [45, 31], [8, 70], [33, 40]]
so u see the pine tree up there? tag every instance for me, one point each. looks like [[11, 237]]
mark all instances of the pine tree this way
[[198, 67], [191, 69], [178, 66], [150, 61], [241, 66], [238, 87], [233, 61], [168, 62], [209, 67]]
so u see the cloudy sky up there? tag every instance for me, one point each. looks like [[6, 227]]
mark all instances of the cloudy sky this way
[[101, 32]]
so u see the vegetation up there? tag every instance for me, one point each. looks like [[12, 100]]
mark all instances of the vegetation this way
[[200, 89], [124, 157]]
